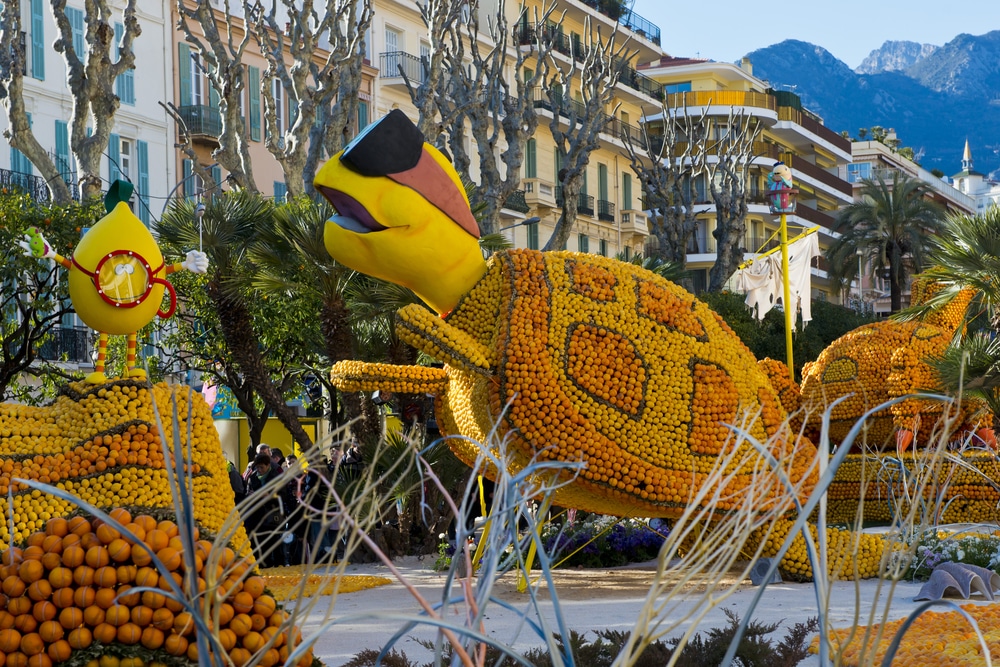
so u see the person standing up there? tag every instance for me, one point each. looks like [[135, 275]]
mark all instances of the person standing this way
[[266, 523]]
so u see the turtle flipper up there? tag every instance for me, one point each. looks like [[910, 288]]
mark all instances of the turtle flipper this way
[[425, 331], [364, 376]]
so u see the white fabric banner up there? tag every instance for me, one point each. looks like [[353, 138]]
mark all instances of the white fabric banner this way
[[762, 280]]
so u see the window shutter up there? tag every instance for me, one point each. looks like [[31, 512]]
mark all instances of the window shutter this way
[[187, 180], [125, 83], [531, 159], [213, 96], [142, 155], [626, 191], [75, 17], [184, 69], [280, 192], [37, 40], [217, 185], [254, 92], [114, 146], [62, 151], [362, 115], [602, 181]]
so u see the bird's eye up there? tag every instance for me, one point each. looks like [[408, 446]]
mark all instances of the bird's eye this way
[[124, 268]]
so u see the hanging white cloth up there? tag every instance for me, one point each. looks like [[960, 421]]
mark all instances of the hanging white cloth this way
[[761, 285], [800, 256]]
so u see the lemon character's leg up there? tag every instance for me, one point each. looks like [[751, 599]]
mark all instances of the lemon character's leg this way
[[130, 369], [98, 376]]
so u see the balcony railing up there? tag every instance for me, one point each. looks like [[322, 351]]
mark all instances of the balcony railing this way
[[797, 164], [814, 126], [33, 186], [584, 202], [515, 202], [397, 63], [202, 120], [630, 77], [721, 98], [618, 11], [73, 343], [816, 217], [605, 210]]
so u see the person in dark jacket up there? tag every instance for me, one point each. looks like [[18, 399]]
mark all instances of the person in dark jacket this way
[[323, 524], [266, 524], [236, 481]]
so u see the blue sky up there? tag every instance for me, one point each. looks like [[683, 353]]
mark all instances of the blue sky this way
[[725, 30]]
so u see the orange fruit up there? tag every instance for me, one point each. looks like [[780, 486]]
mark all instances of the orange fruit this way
[[141, 615], [31, 571], [119, 550], [243, 602], [10, 640], [130, 633], [83, 575], [270, 658], [6, 621], [227, 638], [32, 644], [121, 515], [94, 616], [17, 659], [152, 638], [78, 525], [39, 660], [57, 526], [170, 558], [59, 651], [97, 556], [117, 615], [25, 623], [240, 624], [13, 586], [146, 522], [126, 573], [51, 560], [52, 544], [61, 577], [19, 605], [258, 622], [175, 645], [105, 597], [63, 597], [170, 528], [105, 633], [252, 641], [71, 618], [36, 539], [44, 611], [106, 577], [240, 656], [163, 619], [264, 605], [254, 586], [183, 623], [141, 555], [80, 638], [83, 597], [107, 534], [40, 590], [226, 613], [51, 631]]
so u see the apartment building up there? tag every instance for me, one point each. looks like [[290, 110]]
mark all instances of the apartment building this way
[[876, 160], [816, 155], [610, 219]]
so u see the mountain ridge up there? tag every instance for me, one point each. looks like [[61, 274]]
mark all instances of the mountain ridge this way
[[934, 97]]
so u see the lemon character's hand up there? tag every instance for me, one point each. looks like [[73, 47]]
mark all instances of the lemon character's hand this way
[[35, 245], [195, 261]]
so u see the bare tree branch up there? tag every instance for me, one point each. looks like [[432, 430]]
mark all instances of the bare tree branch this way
[[186, 147], [728, 178]]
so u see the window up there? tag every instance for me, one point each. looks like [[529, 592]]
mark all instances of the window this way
[[362, 115], [197, 82], [253, 90], [602, 182], [193, 185], [583, 243], [279, 109], [859, 171], [532, 236], [393, 40], [125, 159], [63, 164], [280, 192], [603, 252], [37, 40], [125, 83], [368, 44], [75, 17], [682, 87], [184, 74], [142, 184], [627, 191], [531, 159]]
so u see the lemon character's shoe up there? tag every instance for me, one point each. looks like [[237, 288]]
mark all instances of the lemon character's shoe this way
[[137, 373], [97, 377]]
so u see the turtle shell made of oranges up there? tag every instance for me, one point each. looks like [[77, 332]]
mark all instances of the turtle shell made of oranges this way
[[601, 362]]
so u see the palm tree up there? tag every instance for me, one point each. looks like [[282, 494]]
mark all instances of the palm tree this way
[[890, 227]]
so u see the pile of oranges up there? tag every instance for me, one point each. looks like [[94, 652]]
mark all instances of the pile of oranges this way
[[350, 375], [850, 555], [102, 444], [70, 589]]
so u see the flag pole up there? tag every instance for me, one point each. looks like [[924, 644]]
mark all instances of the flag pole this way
[[781, 200], [787, 296]]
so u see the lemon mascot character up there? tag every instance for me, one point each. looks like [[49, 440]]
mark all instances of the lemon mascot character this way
[[116, 276]]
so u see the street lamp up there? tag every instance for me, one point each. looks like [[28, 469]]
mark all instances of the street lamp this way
[[781, 200], [530, 221], [199, 213]]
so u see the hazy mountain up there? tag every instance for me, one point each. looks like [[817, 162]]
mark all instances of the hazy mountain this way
[[949, 94], [894, 56]]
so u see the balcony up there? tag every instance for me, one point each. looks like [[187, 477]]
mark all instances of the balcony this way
[[203, 123], [67, 344], [33, 186], [820, 218], [634, 222], [798, 165], [722, 98], [605, 210], [618, 11], [538, 193], [395, 64], [515, 201], [812, 125], [584, 202]]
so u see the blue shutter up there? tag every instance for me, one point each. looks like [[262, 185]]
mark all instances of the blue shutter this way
[[217, 185], [280, 192], [254, 92], [362, 115], [62, 151], [20, 163], [184, 69], [75, 17], [125, 83], [37, 40], [142, 155], [114, 146], [187, 179], [213, 96]]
